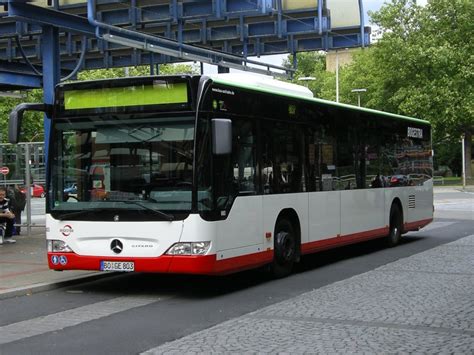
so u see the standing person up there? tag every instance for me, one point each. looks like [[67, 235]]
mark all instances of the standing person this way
[[6, 217]]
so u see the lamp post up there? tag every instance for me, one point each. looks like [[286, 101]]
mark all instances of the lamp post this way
[[358, 91], [337, 77], [463, 163]]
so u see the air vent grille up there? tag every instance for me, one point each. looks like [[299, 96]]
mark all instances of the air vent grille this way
[[411, 201]]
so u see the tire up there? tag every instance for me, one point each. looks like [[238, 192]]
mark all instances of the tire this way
[[285, 249], [396, 226]]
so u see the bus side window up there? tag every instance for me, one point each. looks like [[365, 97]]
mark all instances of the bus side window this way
[[282, 158], [243, 156]]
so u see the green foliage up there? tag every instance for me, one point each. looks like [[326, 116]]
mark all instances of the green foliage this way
[[427, 58], [32, 125], [310, 65], [166, 69], [449, 155]]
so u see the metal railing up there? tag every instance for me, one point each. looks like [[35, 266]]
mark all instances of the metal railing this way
[[21, 167]]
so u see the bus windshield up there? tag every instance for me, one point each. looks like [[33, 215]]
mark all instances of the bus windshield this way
[[122, 163]]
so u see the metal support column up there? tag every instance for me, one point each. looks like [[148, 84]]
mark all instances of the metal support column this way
[[320, 16], [362, 22], [28, 188], [51, 75]]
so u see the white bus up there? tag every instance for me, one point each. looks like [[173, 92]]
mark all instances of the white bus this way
[[213, 175]]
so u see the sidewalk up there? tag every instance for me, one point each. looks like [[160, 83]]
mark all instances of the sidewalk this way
[[441, 189], [422, 304], [24, 267]]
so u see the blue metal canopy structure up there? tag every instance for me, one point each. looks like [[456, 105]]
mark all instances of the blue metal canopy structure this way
[[40, 40], [111, 33]]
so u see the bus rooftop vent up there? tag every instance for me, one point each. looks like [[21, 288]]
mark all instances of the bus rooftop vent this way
[[261, 82]]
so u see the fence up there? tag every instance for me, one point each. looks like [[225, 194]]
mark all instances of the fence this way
[[26, 169]]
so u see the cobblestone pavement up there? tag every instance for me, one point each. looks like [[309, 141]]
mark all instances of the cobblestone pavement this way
[[420, 304]]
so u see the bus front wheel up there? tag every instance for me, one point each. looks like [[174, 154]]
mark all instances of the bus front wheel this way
[[396, 226], [284, 253]]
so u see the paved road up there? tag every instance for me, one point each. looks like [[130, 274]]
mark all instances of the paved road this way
[[416, 297]]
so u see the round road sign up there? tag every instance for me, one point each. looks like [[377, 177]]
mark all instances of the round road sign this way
[[4, 170]]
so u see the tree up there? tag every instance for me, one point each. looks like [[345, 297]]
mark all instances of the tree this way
[[33, 121], [426, 54], [422, 67], [310, 64], [165, 69]]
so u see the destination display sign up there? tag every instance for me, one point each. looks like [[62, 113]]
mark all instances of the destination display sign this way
[[157, 93]]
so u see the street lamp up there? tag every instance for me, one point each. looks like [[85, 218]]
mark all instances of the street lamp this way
[[358, 91], [463, 155], [306, 78]]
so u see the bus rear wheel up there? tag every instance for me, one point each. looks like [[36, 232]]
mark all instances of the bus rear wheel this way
[[285, 252], [396, 226]]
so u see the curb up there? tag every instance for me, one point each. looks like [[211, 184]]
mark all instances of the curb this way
[[45, 286]]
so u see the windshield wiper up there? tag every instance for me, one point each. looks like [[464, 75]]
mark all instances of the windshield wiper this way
[[79, 213], [167, 216]]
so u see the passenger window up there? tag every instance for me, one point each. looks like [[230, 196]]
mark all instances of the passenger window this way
[[243, 156], [283, 157]]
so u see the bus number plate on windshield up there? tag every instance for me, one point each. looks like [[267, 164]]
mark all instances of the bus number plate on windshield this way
[[117, 266]]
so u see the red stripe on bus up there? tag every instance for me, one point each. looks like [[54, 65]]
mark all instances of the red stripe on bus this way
[[335, 242], [245, 262], [412, 226]]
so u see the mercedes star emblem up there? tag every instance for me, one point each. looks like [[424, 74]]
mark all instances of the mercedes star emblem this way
[[116, 246]]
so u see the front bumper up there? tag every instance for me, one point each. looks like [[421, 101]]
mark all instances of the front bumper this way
[[200, 265], [164, 264]]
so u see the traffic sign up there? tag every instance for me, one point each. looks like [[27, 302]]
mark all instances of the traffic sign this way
[[4, 170]]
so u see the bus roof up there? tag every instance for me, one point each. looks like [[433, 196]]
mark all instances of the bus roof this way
[[272, 86], [264, 84]]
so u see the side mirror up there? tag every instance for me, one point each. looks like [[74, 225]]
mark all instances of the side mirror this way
[[221, 136], [16, 116]]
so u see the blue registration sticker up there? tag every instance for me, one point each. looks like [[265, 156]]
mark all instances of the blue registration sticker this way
[[63, 260], [55, 260]]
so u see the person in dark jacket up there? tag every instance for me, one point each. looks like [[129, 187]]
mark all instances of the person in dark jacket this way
[[7, 218], [17, 200]]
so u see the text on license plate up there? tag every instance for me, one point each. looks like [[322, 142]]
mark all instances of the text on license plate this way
[[117, 266]]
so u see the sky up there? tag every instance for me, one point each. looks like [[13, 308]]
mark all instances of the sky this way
[[371, 5], [374, 5]]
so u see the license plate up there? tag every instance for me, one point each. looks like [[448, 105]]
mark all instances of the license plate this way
[[126, 266]]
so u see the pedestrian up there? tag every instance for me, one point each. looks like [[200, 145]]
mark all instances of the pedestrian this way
[[7, 218], [17, 200]]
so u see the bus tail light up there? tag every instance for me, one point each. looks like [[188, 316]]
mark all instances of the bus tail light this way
[[189, 248], [58, 246]]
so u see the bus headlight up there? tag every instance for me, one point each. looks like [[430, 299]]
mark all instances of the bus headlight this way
[[191, 248], [58, 246]]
